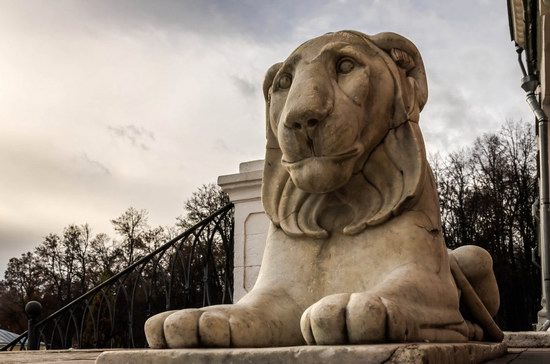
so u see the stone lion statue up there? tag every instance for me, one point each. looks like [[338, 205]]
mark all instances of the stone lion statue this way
[[355, 252]]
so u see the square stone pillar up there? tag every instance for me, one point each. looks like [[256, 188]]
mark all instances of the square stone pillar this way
[[251, 224]]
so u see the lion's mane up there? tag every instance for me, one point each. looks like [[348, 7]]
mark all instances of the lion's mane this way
[[394, 173]]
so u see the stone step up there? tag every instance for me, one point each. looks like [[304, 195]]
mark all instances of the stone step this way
[[324, 354], [51, 356], [350, 354]]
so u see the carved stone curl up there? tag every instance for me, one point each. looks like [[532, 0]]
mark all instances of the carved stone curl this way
[[355, 252]]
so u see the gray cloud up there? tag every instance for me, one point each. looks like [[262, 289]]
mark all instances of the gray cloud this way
[[248, 18], [238, 18], [247, 88], [93, 166], [138, 136], [221, 146]]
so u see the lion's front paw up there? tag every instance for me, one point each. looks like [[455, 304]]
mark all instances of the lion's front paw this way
[[189, 328], [355, 318], [223, 326]]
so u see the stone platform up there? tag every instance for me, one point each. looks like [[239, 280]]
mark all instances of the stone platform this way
[[527, 339], [349, 354], [87, 356], [514, 356]]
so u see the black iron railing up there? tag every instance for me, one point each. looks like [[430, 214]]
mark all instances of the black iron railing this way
[[195, 269]]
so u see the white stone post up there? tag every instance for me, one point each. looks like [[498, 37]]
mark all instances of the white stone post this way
[[251, 224]]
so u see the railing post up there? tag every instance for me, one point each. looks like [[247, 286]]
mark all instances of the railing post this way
[[33, 310]]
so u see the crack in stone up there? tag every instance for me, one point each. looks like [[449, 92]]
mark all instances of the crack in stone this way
[[406, 354], [390, 356], [517, 356]]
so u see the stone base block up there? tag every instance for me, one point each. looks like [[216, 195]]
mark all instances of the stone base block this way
[[527, 339], [349, 354]]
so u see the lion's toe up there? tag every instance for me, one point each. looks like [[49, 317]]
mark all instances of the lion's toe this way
[[305, 326], [181, 329], [356, 318], [214, 330], [327, 320], [366, 319], [154, 331]]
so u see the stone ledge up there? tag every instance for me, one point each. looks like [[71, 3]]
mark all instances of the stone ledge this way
[[71, 356], [348, 354], [527, 339]]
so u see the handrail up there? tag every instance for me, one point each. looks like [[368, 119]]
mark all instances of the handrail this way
[[142, 261]]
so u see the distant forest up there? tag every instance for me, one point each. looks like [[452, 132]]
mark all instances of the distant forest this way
[[64, 266], [487, 192]]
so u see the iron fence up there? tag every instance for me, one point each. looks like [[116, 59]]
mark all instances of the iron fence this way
[[195, 269]]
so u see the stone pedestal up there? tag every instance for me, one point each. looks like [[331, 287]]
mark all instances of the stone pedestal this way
[[251, 224], [349, 354], [527, 339]]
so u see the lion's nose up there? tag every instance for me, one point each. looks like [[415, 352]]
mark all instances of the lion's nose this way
[[309, 124], [306, 120]]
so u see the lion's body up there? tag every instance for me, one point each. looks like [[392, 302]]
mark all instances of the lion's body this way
[[355, 263], [389, 259], [355, 252]]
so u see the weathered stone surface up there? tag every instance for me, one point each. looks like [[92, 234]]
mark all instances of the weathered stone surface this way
[[355, 252], [524, 356], [363, 354], [51, 356], [527, 339]]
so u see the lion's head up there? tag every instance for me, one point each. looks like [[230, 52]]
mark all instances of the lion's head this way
[[342, 133]]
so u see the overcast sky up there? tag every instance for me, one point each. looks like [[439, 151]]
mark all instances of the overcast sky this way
[[110, 104]]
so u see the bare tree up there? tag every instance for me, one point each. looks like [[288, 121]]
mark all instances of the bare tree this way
[[131, 226], [486, 194]]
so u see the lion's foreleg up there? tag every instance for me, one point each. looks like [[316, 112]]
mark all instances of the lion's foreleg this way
[[262, 318], [411, 304]]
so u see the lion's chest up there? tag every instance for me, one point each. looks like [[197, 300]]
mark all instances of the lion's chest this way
[[344, 263]]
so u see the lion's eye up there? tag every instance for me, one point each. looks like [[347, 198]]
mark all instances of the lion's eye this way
[[285, 81], [345, 65]]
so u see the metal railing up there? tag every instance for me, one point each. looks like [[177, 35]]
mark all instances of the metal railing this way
[[194, 269]]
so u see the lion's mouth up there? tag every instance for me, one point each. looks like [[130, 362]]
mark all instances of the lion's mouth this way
[[339, 158]]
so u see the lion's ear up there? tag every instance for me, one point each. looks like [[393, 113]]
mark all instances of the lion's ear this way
[[268, 83], [412, 85]]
